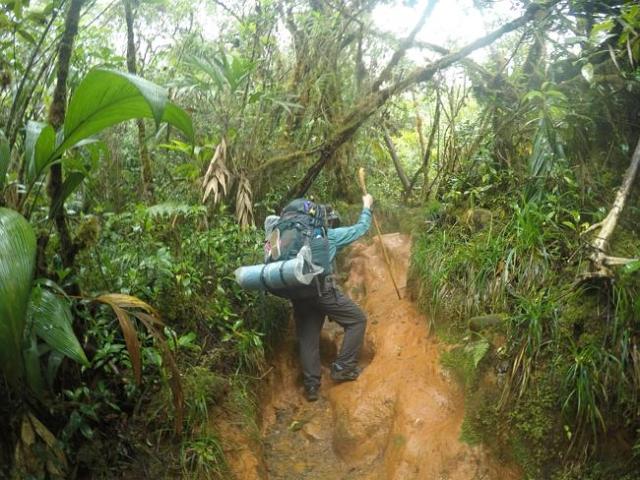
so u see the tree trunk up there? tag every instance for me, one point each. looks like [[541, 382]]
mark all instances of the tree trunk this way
[[406, 185], [427, 151], [57, 111], [143, 151]]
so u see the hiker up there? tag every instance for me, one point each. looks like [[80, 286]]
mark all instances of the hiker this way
[[309, 314]]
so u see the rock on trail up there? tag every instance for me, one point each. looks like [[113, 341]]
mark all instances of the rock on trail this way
[[400, 421]]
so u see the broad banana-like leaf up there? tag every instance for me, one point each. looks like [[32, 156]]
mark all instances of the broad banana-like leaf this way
[[4, 158], [107, 97], [17, 264], [52, 322], [39, 144]]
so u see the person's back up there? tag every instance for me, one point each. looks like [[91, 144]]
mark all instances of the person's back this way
[[310, 313]]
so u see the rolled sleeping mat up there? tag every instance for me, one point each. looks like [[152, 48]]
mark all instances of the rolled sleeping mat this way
[[298, 271]]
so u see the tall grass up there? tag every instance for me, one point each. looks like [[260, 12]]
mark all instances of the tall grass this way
[[585, 390], [524, 265]]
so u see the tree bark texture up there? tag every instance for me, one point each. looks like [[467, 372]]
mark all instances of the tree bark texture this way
[[57, 111], [143, 151]]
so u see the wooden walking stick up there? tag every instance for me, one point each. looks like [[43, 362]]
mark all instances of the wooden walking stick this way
[[363, 186]]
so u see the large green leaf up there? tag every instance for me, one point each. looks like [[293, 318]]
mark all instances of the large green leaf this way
[[17, 263], [177, 117], [107, 97], [52, 322], [39, 144], [4, 158]]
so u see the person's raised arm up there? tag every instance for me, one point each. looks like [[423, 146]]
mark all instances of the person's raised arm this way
[[343, 236]]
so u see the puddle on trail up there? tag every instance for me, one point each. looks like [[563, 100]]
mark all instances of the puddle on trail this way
[[400, 421]]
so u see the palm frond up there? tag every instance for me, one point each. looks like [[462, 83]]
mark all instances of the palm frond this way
[[244, 206], [119, 305], [217, 179], [125, 307]]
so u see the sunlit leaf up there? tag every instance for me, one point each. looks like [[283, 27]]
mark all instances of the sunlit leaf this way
[[26, 35], [632, 267], [587, 72], [601, 29]]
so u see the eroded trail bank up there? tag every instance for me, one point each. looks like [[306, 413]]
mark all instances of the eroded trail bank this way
[[400, 420]]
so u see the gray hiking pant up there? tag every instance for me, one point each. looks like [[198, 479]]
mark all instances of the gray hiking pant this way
[[309, 314]]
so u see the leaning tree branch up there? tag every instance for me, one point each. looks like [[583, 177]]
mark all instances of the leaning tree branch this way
[[404, 46], [373, 101], [282, 160], [396, 161], [599, 259]]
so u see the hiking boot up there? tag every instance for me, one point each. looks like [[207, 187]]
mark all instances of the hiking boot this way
[[344, 374], [311, 393]]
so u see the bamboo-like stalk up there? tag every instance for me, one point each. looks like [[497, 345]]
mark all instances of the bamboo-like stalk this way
[[143, 151], [363, 186]]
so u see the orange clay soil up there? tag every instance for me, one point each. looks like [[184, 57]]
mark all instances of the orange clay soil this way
[[400, 420]]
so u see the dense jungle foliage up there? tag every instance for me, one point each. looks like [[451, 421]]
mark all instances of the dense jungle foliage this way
[[143, 142]]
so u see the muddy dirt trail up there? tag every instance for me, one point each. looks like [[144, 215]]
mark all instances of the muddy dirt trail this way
[[400, 420]]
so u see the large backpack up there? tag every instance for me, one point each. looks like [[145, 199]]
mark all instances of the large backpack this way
[[301, 223]]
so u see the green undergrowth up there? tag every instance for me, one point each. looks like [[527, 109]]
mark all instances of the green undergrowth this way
[[548, 364], [181, 260]]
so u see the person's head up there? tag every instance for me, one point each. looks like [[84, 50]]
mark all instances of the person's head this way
[[332, 216]]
